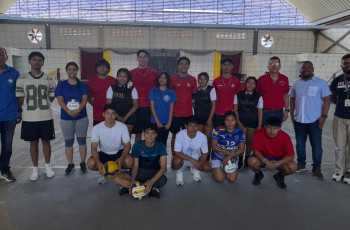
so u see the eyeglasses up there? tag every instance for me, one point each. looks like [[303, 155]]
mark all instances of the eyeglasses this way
[[274, 64]]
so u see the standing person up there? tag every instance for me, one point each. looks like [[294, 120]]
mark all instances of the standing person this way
[[110, 141], [226, 87], [97, 89], [204, 105], [228, 143], [272, 147], [124, 99], [162, 101], [274, 88], [144, 79], [9, 114], [72, 95], [150, 165], [191, 150], [309, 104], [36, 91], [340, 88], [184, 85], [248, 106]]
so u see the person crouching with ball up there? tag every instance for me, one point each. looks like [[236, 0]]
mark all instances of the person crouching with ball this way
[[150, 164]]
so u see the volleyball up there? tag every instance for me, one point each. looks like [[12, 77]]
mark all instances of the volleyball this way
[[138, 190], [110, 169], [230, 167]]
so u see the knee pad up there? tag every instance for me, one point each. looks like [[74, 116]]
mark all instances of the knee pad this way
[[69, 143], [81, 141]]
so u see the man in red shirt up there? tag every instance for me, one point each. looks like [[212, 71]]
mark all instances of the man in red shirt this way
[[184, 85], [274, 88], [144, 79], [272, 147], [226, 86], [98, 87]]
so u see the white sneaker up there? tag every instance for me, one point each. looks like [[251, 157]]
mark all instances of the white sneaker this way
[[48, 171], [337, 177], [195, 174], [346, 178], [101, 180], [179, 177], [35, 174]]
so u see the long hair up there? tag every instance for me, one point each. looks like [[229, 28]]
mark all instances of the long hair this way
[[167, 79], [76, 66]]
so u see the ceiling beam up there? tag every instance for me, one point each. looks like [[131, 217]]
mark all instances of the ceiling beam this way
[[335, 43]]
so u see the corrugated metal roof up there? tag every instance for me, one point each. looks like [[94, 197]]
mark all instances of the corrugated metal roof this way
[[5, 4]]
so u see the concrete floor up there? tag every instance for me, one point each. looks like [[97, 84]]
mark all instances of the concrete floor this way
[[78, 202]]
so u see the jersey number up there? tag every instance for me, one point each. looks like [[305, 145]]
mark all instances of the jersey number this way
[[38, 97]]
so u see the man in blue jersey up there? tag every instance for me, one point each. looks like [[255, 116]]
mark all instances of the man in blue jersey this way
[[9, 114]]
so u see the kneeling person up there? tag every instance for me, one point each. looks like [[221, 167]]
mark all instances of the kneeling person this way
[[112, 137], [189, 144], [273, 147], [150, 162]]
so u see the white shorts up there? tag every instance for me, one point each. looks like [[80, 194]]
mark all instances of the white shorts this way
[[216, 163], [187, 164]]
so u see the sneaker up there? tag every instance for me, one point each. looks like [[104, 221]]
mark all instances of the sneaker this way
[[316, 171], [101, 180], [195, 174], [300, 167], [337, 177], [246, 163], [35, 174], [154, 193], [83, 167], [123, 191], [179, 177], [346, 178], [8, 176], [69, 170], [257, 178], [48, 171], [279, 178]]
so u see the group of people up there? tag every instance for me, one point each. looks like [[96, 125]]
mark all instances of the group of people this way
[[231, 123]]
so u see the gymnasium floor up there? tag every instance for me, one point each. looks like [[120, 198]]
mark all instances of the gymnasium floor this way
[[78, 202]]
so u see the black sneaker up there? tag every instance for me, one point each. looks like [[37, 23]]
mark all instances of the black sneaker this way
[[154, 193], [257, 178], [123, 191], [316, 171], [69, 170], [8, 176], [279, 178], [246, 162], [83, 167]]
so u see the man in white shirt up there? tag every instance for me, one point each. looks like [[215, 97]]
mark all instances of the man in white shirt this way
[[110, 141], [191, 150]]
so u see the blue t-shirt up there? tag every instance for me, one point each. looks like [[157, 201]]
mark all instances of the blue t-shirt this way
[[148, 157], [162, 101], [8, 105], [71, 94], [227, 141]]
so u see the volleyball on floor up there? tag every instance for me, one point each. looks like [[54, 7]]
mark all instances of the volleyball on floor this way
[[110, 169], [138, 190], [230, 167]]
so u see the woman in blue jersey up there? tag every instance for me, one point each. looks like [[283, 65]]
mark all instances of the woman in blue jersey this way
[[228, 143], [162, 101], [72, 95]]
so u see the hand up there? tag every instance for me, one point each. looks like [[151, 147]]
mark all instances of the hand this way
[[285, 116], [148, 185], [19, 119], [121, 119], [120, 161], [209, 122], [100, 167], [159, 125], [130, 185], [276, 164], [75, 113], [226, 160], [270, 165], [167, 126], [196, 163], [321, 122], [240, 125], [259, 127]]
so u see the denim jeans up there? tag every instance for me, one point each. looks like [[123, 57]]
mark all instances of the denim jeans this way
[[272, 113], [7, 130], [315, 136]]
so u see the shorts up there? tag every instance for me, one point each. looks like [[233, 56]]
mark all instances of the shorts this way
[[131, 120], [106, 157], [218, 120], [216, 163], [35, 130], [177, 124], [143, 116], [268, 158], [201, 120], [70, 128]]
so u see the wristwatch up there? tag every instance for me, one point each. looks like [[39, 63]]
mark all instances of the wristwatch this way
[[286, 110], [324, 116]]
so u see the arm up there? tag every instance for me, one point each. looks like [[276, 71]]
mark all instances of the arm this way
[[212, 111], [229, 153], [64, 106], [154, 113], [292, 108], [120, 160], [240, 125], [91, 100], [325, 108], [96, 157], [20, 101], [149, 184], [260, 117], [286, 101], [282, 161], [134, 171], [171, 110]]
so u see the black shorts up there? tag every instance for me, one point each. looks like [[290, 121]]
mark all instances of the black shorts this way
[[143, 116], [177, 124], [218, 120], [106, 157], [35, 130], [131, 120], [201, 120]]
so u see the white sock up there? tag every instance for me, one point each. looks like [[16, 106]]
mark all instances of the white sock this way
[[47, 165]]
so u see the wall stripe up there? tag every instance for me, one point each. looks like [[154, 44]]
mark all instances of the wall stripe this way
[[217, 66], [107, 57]]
